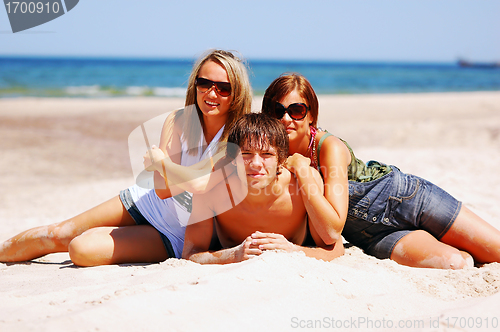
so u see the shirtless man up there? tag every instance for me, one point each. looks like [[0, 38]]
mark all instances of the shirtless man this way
[[271, 216]]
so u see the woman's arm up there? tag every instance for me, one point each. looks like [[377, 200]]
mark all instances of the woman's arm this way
[[197, 178], [326, 205], [170, 177], [170, 149]]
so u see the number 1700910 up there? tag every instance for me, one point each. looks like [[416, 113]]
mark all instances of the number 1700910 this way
[[32, 7]]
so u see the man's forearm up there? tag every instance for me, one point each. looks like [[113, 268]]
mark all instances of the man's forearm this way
[[224, 256]]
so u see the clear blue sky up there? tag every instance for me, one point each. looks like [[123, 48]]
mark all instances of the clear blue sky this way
[[382, 30]]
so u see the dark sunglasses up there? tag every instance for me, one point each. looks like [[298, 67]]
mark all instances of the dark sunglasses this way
[[203, 85], [297, 111]]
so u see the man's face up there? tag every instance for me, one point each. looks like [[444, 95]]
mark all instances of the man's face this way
[[261, 165]]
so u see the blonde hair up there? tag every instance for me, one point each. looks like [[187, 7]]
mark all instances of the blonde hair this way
[[241, 94]]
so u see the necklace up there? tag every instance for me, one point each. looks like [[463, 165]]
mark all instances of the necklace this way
[[311, 149]]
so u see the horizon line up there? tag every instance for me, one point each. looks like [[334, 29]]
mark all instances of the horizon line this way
[[249, 59]]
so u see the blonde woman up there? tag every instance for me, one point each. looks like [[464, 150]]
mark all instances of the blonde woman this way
[[144, 225]]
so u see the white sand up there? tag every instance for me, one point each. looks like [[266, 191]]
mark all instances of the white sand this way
[[63, 156]]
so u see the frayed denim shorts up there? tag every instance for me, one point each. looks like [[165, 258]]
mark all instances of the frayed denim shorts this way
[[382, 211]]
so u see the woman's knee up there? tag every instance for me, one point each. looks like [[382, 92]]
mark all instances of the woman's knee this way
[[455, 260], [88, 249], [465, 261], [421, 249]]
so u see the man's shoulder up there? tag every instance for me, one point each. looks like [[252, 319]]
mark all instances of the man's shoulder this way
[[286, 177], [289, 185]]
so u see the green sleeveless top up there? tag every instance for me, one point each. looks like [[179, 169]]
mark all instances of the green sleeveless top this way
[[358, 171]]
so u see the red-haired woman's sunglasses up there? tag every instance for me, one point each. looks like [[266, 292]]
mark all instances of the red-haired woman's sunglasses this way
[[203, 85], [296, 111]]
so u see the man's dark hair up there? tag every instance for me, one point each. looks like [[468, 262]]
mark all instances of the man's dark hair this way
[[258, 131]]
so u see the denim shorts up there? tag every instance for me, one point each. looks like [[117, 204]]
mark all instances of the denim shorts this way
[[382, 211], [139, 219]]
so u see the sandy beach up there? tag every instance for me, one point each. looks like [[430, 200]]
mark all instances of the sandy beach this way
[[61, 157]]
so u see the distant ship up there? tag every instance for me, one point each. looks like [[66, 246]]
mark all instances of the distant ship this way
[[469, 64]]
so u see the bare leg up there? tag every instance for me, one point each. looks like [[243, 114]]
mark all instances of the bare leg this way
[[471, 233], [421, 249], [116, 245], [53, 238]]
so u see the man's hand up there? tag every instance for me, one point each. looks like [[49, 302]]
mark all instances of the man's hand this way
[[271, 241], [242, 252], [258, 242], [247, 250]]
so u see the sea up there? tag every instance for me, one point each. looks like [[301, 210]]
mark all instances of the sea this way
[[118, 77]]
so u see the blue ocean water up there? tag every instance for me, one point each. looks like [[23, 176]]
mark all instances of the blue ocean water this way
[[107, 77]]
